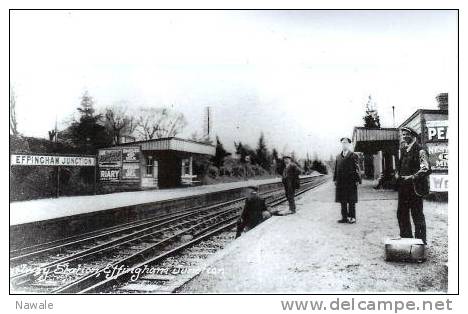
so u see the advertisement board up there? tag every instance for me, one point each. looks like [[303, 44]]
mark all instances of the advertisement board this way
[[109, 174], [437, 131], [438, 155], [110, 157], [119, 164], [438, 182], [130, 171], [131, 154], [436, 139]]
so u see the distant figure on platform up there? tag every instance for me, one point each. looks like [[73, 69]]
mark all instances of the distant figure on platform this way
[[291, 182], [347, 176], [255, 211], [412, 177]]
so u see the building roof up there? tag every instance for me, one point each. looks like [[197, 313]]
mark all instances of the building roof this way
[[175, 144], [422, 111], [361, 134], [366, 139]]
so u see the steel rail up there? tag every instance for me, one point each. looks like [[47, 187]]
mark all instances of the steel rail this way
[[119, 242], [227, 224], [140, 235]]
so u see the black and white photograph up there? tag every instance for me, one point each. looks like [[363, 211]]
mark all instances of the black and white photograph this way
[[198, 152]]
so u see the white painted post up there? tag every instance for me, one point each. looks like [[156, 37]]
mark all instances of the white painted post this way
[[191, 166]]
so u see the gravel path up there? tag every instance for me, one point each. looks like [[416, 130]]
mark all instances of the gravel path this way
[[310, 252]]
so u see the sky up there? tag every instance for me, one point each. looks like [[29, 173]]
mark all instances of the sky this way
[[300, 77]]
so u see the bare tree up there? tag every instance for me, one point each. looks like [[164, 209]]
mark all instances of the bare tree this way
[[154, 123], [13, 121], [118, 122]]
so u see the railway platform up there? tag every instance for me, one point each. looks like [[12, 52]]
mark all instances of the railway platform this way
[[39, 221], [310, 252], [51, 208]]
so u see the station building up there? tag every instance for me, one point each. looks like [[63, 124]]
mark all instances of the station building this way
[[382, 145], [152, 164]]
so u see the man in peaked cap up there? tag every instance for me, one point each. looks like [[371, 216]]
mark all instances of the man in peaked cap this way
[[290, 179], [412, 176], [347, 176]]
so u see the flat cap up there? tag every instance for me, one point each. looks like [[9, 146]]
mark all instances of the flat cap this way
[[345, 138], [408, 129]]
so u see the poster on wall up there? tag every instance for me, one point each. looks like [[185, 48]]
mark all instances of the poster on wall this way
[[119, 163], [110, 157], [438, 182], [438, 155], [437, 131], [131, 171], [109, 174], [131, 154]]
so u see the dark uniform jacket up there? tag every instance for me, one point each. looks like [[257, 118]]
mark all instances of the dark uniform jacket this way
[[346, 176], [290, 176], [252, 213], [414, 163]]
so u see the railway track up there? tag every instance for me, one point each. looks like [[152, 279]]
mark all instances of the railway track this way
[[93, 262]]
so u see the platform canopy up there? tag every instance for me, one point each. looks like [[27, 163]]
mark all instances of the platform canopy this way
[[175, 144], [373, 140]]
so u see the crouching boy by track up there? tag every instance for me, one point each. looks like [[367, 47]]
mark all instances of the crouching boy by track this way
[[255, 211]]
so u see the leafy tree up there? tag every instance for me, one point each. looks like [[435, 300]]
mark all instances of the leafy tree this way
[[86, 105], [244, 150], [87, 133], [274, 154], [262, 155], [275, 161], [371, 119], [307, 164], [221, 153], [319, 166]]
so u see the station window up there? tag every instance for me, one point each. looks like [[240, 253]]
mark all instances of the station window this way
[[185, 166], [149, 165]]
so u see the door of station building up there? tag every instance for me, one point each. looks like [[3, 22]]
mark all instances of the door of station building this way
[[149, 178]]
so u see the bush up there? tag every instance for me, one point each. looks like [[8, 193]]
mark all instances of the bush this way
[[213, 172]]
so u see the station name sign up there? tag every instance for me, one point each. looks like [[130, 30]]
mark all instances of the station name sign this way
[[44, 160]]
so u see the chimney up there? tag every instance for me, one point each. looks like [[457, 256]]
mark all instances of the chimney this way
[[442, 101]]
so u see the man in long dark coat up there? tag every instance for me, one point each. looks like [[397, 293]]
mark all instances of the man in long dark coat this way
[[413, 170], [290, 179], [347, 176]]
